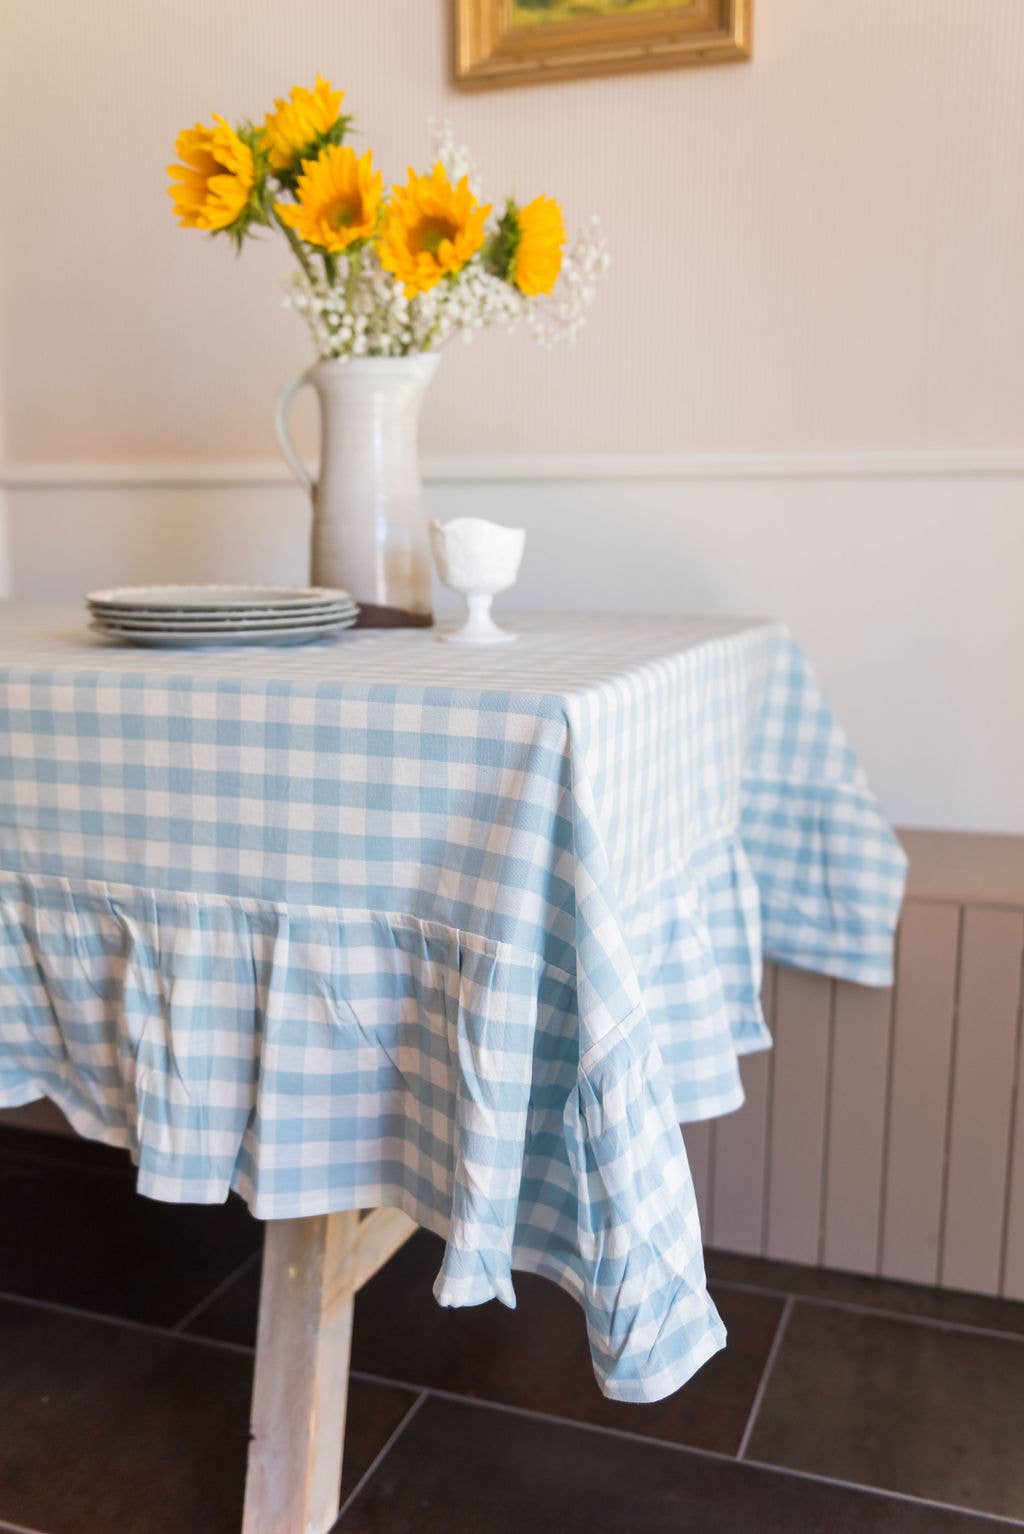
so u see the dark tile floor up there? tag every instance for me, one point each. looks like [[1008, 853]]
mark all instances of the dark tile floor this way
[[126, 1330]]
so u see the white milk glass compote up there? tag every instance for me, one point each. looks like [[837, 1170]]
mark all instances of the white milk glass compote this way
[[477, 559]]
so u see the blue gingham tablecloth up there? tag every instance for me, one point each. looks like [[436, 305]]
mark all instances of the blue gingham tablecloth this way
[[469, 932]]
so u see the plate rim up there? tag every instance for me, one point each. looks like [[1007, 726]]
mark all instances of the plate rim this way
[[218, 614], [345, 621], [222, 620], [163, 597], [220, 639]]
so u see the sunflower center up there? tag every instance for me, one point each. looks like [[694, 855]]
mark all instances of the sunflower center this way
[[432, 233], [343, 212]]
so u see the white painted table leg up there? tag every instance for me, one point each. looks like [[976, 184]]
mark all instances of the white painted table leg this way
[[301, 1384], [311, 1271]]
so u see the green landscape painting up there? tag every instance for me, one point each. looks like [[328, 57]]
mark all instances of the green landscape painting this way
[[526, 13]]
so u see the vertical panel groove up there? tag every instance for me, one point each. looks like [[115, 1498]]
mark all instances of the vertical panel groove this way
[[803, 1005], [922, 1042], [826, 1153], [1011, 1152], [982, 1103], [766, 1174], [947, 1141], [883, 1193]]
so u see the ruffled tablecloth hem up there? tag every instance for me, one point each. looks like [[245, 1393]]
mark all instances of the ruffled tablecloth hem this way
[[671, 1376], [864, 970], [668, 1379]]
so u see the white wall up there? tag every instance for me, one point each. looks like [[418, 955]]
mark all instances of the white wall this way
[[904, 588], [818, 253], [4, 518], [820, 249]]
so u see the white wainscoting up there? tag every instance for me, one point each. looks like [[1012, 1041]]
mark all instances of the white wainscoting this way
[[884, 1134], [900, 573]]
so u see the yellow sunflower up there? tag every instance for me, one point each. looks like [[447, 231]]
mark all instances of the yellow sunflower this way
[[296, 129], [211, 189], [537, 260], [431, 230], [338, 199]]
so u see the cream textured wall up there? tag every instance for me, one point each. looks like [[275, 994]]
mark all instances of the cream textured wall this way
[[820, 249], [817, 259]]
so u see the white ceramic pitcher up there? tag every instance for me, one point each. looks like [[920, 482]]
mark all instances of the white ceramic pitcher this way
[[369, 531]]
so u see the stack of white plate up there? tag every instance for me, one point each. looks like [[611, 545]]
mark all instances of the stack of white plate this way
[[191, 617]]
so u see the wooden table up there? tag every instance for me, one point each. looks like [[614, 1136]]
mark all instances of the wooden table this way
[[312, 1271], [342, 833]]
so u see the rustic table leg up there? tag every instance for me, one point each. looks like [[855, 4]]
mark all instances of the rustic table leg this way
[[301, 1385], [311, 1271]]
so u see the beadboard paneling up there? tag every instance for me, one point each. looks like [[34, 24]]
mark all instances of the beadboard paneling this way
[[741, 1146], [1012, 1280], [857, 1105], [919, 1090], [800, 1096], [895, 1136], [982, 1098]]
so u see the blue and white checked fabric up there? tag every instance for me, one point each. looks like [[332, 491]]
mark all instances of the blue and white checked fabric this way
[[389, 922]]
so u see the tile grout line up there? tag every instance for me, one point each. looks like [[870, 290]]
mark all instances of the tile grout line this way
[[381, 1454], [1000, 1334], [883, 1491], [532, 1415], [766, 1374], [216, 1292], [550, 1417], [155, 1329], [744, 1286], [150, 1328], [686, 1448]]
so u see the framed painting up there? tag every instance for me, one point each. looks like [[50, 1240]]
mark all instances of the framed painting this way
[[525, 42]]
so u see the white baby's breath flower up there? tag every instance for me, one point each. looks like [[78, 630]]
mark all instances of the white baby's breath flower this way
[[455, 157], [561, 316], [363, 310]]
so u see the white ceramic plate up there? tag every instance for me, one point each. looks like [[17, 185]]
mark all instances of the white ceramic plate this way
[[214, 598], [173, 624], [221, 615], [219, 638], [260, 626]]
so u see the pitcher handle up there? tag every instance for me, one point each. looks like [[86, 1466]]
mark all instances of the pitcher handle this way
[[283, 411]]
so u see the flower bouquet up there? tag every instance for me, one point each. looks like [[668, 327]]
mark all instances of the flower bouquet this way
[[384, 279]]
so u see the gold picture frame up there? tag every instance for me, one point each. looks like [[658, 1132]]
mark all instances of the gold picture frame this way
[[526, 42]]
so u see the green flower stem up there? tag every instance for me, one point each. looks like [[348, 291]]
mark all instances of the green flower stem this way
[[355, 261], [296, 245]]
